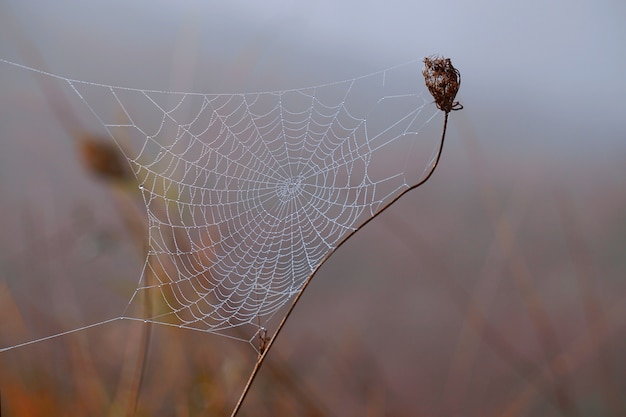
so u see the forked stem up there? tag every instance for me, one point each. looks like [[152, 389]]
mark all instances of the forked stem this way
[[270, 343]]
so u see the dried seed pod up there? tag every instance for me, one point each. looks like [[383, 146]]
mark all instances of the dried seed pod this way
[[443, 82]]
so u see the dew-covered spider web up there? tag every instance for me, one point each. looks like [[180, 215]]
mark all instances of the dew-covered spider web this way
[[247, 194]]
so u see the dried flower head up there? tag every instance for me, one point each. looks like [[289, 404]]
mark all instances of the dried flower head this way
[[443, 82], [104, 159]]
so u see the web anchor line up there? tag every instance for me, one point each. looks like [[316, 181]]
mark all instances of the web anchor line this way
[[56, 335]]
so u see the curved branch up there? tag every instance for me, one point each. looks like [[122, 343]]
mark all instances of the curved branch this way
[[270, 343]]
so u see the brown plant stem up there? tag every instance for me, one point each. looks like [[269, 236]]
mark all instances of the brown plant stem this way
[[263, 355], [140, 369]]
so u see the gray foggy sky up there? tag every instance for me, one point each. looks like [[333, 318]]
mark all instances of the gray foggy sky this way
[[557, 44], [542, 81], [565, 58], [539, 74]]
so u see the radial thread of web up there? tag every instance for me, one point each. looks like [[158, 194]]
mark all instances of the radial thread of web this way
[[247, 193]]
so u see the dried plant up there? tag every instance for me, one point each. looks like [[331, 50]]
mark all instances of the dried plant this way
[[104, 159], [443, 82]]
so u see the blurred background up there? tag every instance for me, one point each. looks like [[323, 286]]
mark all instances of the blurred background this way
[[496, 289]]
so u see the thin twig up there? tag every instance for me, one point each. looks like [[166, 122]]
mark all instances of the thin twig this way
[[261, 358], [142, 359]]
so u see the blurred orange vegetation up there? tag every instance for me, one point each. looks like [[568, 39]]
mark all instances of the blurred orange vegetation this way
[[132, 368]]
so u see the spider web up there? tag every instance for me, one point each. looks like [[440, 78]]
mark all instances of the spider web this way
[[247, 194]]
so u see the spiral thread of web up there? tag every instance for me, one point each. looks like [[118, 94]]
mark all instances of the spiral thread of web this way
[[247, 193]]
